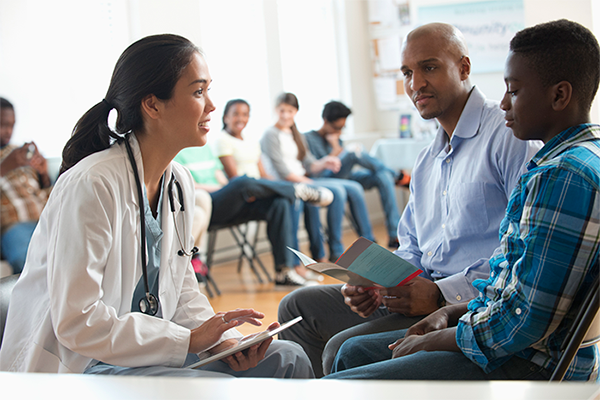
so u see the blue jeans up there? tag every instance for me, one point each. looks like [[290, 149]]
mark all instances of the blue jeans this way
[[15, 242], [312, 224], [373, 174], [246, 199], [344, 191], [368, 357]]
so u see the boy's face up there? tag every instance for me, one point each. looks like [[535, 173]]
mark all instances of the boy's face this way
[[527, 103]]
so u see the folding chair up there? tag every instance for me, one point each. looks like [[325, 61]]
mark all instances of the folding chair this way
[[247, 247], [584, 332]]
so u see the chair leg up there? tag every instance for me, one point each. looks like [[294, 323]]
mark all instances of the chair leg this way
[[212, 240], [242, 242]]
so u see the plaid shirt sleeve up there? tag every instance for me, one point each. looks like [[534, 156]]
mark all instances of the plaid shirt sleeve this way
[[550, 237]]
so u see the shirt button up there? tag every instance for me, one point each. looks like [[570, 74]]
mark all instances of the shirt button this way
[[443, 226], [447, 161], [444, 192], [458, 297], [429, 253], [518, 311]]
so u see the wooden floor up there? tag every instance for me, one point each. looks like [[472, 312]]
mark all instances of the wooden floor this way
[[242, 290]]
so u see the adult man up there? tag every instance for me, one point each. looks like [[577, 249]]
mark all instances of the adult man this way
[[326, 141], [459, 190], [24, 189]]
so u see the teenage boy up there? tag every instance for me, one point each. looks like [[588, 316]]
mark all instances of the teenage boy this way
[[326, 141], [459, 188], [550, 236]]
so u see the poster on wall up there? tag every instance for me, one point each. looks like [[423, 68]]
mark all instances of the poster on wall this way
[[487, 26]]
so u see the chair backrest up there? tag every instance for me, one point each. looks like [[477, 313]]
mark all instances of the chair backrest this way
[[584, 332], [6, 286]]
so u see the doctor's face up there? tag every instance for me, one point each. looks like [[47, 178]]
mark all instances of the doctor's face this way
[[187, 113]]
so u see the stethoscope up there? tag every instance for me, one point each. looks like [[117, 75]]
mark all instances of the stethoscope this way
[[149, 304]]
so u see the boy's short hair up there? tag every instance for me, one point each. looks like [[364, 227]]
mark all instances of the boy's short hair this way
[[5, 104], [335, 110], [562, 50]]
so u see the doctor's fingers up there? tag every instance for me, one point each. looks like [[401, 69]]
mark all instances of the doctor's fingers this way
[[240, 313]]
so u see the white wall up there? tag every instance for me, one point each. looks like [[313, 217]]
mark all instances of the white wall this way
[[53, 73], [492, 84]]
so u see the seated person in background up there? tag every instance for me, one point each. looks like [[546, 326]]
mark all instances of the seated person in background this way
[[24, 188], [326, 141], [459, 190], [288, 158], [241, 157], [550, 251], [244, 199]]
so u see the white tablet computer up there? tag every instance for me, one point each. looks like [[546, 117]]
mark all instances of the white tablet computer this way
[[245, 342]]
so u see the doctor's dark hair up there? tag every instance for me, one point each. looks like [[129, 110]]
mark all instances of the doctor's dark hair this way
[[335, 110], [152, 65], [291, 100], [559, 51], [230, 104]]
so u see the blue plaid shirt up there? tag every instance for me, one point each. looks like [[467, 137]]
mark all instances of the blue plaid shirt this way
[[550, 239]]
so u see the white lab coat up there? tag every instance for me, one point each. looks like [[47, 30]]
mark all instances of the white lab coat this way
[[72, 303]]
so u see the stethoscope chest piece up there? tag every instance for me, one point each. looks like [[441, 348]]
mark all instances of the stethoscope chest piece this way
[[149, 304]]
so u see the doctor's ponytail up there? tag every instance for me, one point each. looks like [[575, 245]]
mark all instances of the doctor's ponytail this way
[[150, 66]]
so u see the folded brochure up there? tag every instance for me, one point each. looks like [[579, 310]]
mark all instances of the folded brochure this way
[[365, 263], [245, 342]]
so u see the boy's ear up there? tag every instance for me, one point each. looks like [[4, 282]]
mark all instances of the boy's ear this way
[[562, 93], [150, 106]]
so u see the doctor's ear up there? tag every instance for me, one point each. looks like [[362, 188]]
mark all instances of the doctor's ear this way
[[150, 106]]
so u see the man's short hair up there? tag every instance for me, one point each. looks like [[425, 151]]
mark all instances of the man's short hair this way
[[5, 104], [562, 50], [335, 110]]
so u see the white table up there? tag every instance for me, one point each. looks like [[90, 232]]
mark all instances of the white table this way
[[74, 386], [397, 153]]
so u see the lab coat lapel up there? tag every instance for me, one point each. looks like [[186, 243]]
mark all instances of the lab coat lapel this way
[[169, 274]]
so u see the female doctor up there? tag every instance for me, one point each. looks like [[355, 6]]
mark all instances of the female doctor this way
[[108, 285]]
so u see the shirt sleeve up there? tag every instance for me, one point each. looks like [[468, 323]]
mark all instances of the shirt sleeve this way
[[271, 148], [316, 144], [223, 146], [550, 242]]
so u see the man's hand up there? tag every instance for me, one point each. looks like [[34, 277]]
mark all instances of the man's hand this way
[[19, 157], [361, 301], [418, 297]]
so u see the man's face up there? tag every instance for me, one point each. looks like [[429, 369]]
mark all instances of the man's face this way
[[527, 103], [433, 75], [334, 127], [7, 122]]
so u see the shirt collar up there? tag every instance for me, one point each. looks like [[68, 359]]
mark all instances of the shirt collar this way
[[563, 141], [468, 123]]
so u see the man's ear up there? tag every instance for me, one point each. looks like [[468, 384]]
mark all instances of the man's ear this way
[[465, 67], [150, 106], [562, 94]]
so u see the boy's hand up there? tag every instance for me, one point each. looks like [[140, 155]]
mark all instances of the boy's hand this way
[[361, 301], [418, 297]]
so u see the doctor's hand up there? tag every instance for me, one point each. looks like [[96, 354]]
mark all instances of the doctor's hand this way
[[206, 335], [360, 300], [250, 357], [418, 297]]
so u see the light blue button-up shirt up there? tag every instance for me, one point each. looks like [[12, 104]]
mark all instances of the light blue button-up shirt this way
[[459, 192]]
